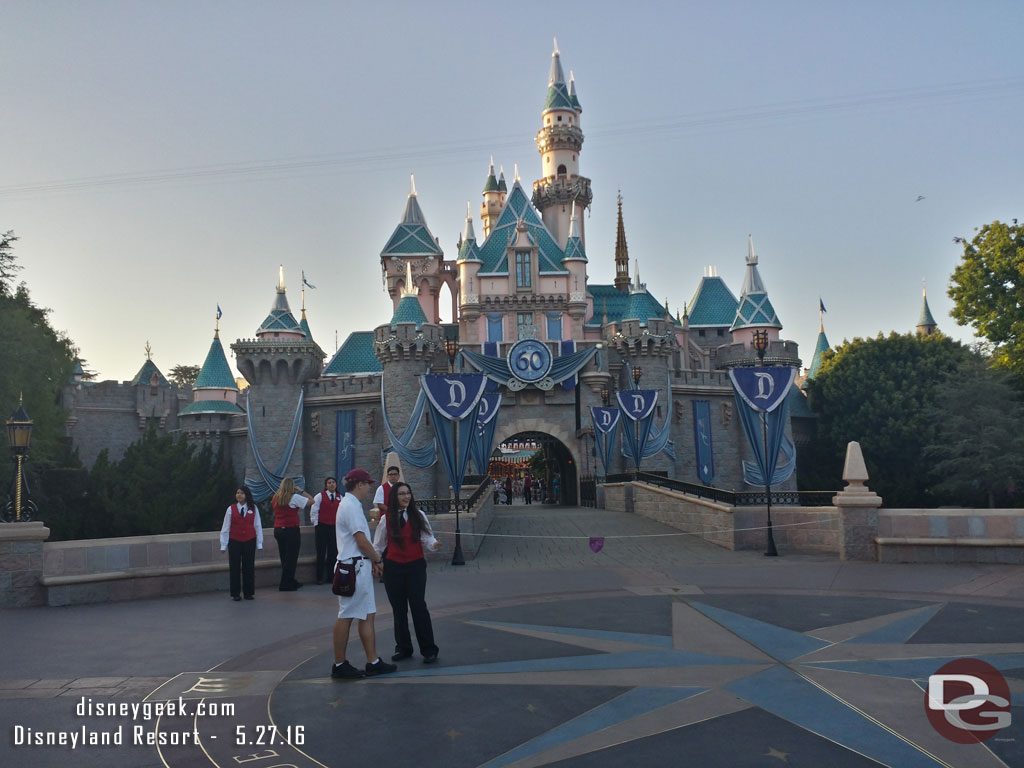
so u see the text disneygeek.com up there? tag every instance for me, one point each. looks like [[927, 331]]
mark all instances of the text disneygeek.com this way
[[141, 731]]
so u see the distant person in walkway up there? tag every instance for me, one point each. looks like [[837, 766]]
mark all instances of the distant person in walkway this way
[[401, 536], [286, 503], [241, 535], [354, 547], [323, 515], [527, 488], [556, 486], [380, 498], [508, 489]]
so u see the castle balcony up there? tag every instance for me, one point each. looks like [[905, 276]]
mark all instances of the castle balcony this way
[[559, 136], [778, 353], [562, 190]]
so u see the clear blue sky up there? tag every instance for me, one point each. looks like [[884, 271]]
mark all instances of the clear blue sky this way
[[161, 158]]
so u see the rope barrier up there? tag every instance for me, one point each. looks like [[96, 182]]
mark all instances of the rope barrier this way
[[625, 536]]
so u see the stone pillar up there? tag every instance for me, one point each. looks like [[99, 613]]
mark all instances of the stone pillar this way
[[858, 510], [21, 564]]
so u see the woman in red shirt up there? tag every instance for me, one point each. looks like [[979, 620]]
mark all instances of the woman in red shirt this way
[[400, 536], [241, 535], [287, 502]]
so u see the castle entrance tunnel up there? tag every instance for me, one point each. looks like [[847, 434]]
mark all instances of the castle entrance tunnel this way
[[542, 456]]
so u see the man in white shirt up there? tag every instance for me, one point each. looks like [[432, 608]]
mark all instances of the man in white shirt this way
[[354, 547], [380, 498]]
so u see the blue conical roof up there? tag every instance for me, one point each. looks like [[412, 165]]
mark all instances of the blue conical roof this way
[[574, 245], [145, 375], [754, 310], [819, 351], [713, 304], [412, 237], [409, 311], [558, 92], [215, 372], [491, 184], [280, 318], [468, 251], [926, 314]]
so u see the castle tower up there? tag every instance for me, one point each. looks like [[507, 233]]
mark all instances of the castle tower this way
[[926, 324], [755, 311], [820, 348], [494, 194], [559, 142], [575, 261], [469, 264], [277, 364], [621, 253], [214, 398], [408, 347], [413, 244]]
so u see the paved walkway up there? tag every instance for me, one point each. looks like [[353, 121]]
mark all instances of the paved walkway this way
[[657, 649]]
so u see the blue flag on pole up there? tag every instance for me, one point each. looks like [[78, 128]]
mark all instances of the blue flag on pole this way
[[454, 397]]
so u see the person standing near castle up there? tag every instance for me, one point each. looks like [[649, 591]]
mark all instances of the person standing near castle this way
[[241, 535], [527, 488], [401, 535], [323, 515], [380, 498], [354, 547], [287, 502]]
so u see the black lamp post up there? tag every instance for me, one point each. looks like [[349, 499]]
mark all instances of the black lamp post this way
[[761, 345], [20, 507], [451, 348], [605, 394]]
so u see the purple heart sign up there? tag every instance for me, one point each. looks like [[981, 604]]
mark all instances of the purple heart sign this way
[[596, 544]]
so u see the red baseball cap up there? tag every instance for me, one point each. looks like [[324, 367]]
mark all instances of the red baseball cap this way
[[359, 476]]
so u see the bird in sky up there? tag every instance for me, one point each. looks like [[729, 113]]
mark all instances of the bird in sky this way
[[919, 198]]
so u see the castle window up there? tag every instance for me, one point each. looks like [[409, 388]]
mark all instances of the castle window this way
[[554, 326], [561, 170], [559, 118], [523, 276], [548, 122], [495, 330], [524, 325], [701, 333]]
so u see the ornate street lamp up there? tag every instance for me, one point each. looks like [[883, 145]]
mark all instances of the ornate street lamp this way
[[451, 348], [638, 373], [19, 508], [761, 345], [605, 394]]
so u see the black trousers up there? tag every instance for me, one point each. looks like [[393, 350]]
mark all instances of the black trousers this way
[[326, 551], [242, 562], [526, 495], [288, 540], [406, 585]]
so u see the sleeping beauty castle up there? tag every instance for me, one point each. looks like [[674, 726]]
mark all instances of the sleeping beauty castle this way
[[552, 344]]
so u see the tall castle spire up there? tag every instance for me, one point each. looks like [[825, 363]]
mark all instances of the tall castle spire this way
[[559, 142], [621, 253], [926, 324]]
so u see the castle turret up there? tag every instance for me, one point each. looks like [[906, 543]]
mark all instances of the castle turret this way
[[494, 199], [413, 244], [469, 263], [820, 348], [214, 397], [559, 142], [755, 311], [277, 364], [926, 324]]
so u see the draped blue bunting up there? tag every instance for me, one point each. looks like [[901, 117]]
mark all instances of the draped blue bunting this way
[[568, 348], [637, 407], [486, 425], [267, 483], [702, 441], [496, 368], [658, 440], [344, 443], [425, 456], [452, 399], [769, 386], [606, 424]]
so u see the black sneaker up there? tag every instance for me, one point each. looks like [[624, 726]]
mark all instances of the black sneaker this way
[[400, 655], [345, 671], [381, 667]]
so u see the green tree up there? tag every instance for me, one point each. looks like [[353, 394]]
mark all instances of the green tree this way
[[163, 484], [978, 456], [184, 374], [987, 289], [879, 392], [8, 266]]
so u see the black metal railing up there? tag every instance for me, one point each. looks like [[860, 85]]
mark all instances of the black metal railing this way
[[446, 506], [733, 498], [588, 491]]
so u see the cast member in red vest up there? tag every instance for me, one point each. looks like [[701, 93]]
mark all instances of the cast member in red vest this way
[[323, 515], [383, 494], [241, 535], [287, 503], [401, 535]]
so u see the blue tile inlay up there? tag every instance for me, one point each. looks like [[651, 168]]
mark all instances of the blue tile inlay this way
[[938, 526], [898, 631], [659, 641], [783, 644], [785, 694], [634, 659], [976, 526], [636, 702]]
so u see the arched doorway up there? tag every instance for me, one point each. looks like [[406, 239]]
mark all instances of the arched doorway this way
[[539, 453]]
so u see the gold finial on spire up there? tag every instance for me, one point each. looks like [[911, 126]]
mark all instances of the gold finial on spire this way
[[149, 351], [412, 185], [410, 288], [280, 277]]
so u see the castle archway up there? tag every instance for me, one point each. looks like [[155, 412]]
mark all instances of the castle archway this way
[[560, 458]]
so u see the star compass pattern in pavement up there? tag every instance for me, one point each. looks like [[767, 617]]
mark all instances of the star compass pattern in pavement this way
[[706, 686]]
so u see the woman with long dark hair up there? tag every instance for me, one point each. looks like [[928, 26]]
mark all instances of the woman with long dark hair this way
[[401, 535], [241, 535]]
